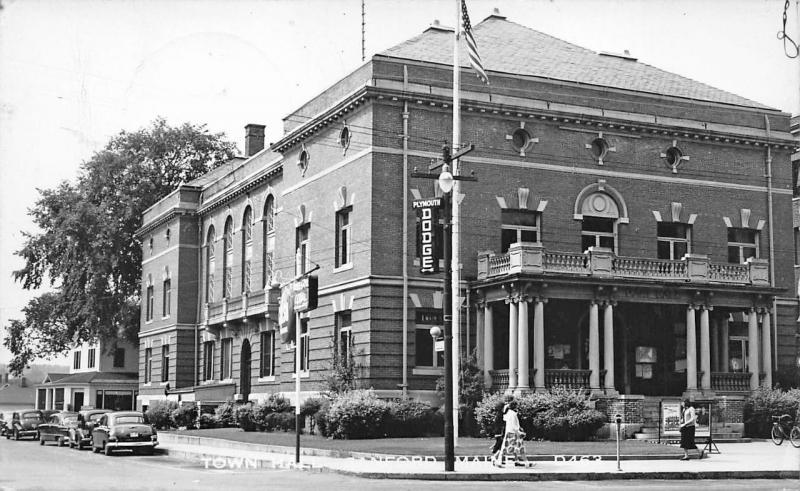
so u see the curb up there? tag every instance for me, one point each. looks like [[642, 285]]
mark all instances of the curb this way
[[571, 476]]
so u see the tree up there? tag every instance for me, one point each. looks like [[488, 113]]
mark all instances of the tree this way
[[86, 248]]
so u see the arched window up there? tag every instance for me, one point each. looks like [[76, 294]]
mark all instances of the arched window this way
[[227, 259], [210, 264], [269, 240], [601, 209], [247, 248]]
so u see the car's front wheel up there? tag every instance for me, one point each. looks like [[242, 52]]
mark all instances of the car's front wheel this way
[[60, 441], [95, 449], [16, 435], [41, 439], [107, 450]]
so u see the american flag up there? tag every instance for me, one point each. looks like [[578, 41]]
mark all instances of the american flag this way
[[472, 46]]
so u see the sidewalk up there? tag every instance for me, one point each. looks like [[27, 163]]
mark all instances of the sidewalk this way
[[761, 460]]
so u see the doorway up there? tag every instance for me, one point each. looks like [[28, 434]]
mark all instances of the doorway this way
[[244, 370], [77, 401]]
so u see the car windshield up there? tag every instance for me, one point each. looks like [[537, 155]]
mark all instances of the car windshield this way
[[30, 416], [94, 417], [129, 419], [70, 419]]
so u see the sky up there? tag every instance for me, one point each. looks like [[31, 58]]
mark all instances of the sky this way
[[74, 73]]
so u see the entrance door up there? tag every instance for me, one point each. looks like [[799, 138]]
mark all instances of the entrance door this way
[[244, 371], [77, 401]]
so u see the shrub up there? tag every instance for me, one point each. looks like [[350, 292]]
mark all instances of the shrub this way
[[765, 403], [273, 404], [283, 421], [357, 414], [409, 418], [310, 408], [206, 421], [159, 413], [558, 415], [184, 415], [321, 419], [244, 417], [224, 414]]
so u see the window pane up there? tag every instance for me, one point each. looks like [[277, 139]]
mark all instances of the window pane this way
[[529, 235], [508, 237], [672, 229], [519, 217], [607, 242], [663, 250], [588, 241], [733, 255], [424, 348], [680, 249], [748, 252], [595, 224]]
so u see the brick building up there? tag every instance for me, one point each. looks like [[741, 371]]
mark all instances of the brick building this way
[[629, 232]]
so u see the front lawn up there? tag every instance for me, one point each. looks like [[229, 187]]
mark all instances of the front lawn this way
[[432, 446]]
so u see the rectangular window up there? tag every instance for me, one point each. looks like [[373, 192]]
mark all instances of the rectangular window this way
[[208, 360], [165, 363], [119, 358], [148, 365], [91, 358], [597, 232], [519, 226], [344, 336], [343, 236], [166, 299], [302, 260], [149, 304], [267, 354], [226, 359], [425, 346], [674, 240], [742, 245], [304, 350], [76, 360]]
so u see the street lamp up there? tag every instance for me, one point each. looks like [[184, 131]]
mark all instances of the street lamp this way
[[446, 182]]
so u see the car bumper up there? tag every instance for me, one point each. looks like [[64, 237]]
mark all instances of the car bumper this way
[[131, 444], [27, 432]]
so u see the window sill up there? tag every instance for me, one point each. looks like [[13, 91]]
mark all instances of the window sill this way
[[165, 317], [343, 267], [162, 384], [226, 381], [208, 382], [270, 378], [428, 371], [148, 384], [302, 375]]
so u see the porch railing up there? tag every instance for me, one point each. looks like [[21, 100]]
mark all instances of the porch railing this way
[[570, 379], [730, 381], [533, 258]]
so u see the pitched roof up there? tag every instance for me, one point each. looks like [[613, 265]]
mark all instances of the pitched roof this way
[[87, 377], [512, 48]]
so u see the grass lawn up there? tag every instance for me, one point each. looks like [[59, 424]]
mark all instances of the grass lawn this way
[[432, 446]]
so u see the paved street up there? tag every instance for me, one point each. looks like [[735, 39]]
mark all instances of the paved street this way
[[26, 465]]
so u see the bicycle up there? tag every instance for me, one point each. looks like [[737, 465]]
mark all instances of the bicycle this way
[[784, 428]]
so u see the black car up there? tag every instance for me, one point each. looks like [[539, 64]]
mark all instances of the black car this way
[[123, 430], [25, 424], [57, 428], [81, 434]]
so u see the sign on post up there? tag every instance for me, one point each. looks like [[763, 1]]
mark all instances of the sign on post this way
[[286, 317], [305, 293], [428, 212]]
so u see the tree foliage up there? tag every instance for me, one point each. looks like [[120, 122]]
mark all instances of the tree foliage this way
[[86, 249]]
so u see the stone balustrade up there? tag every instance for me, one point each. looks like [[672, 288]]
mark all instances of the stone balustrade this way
[[257, 302], [533, 258], [730, 381]]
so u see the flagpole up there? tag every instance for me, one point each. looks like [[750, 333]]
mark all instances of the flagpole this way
[[456, 225]]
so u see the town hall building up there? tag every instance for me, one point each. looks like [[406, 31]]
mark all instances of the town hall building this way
[[629, 233]]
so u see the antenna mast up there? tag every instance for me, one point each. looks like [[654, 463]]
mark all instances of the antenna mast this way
[[363, 35]]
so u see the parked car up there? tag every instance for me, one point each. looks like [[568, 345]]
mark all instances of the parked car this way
[[57, 428], [81, 434], [5, 421], [25, 423], [123, 430]]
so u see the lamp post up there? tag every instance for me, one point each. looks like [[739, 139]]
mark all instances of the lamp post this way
[[446, 182]]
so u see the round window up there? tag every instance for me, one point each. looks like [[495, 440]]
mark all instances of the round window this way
[[344, 137], [520, 138], [673, 156], [303, 161], [599, 148]]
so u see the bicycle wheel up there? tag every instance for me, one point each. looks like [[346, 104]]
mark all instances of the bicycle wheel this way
[[794, 437], [777, 435]]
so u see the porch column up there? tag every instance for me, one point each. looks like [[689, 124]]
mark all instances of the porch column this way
[[705, 351], [752, 348], [523, 383], [715, 345], [48, 399], [488, 344], [513, 327], [594, 348], [608, 347], [538, 343], [691, 350], [479, 341], [766, 342], [724, 334]]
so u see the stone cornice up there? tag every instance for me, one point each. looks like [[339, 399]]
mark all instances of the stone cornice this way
[[162, 219], [228, 194]]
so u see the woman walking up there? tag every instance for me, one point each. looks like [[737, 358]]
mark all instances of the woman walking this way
[[689, 420]]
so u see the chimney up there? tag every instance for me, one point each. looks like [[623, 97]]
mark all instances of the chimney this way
[[253, 139]]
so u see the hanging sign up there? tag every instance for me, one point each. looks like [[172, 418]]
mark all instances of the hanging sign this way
[[305, 293], [428, 212], [286, 317]]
